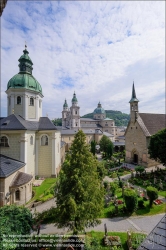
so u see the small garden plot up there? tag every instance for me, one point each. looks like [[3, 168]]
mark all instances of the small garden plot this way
[[45, 191]]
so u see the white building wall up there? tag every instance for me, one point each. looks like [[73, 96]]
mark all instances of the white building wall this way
[[13, 150], [31, 153], [45, 155]]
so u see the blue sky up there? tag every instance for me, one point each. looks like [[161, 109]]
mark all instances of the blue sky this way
[[95, 48]]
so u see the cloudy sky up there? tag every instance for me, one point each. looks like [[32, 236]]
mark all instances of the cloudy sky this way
[[95, 48]]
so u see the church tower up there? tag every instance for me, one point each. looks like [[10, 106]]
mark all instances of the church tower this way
[[65, 115], [24, 93], [133, 105], [75, 110]]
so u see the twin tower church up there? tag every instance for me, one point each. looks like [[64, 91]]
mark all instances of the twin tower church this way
[[31, 145]]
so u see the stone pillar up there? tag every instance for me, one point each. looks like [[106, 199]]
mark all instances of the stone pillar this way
[[37, 155], [25, 106], [54, 152], [12, 105], [23, 149], [37, 107]]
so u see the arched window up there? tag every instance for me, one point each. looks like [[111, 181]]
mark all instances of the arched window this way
[[40, 104], [4, 141], [18, 99], [31, 140], [44, 140], [31, 101], [76, 112], [17, 195]]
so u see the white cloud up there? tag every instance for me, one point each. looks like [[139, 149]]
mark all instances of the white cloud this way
[[100, 46]]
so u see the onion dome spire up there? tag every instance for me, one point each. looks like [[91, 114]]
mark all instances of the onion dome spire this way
[[26, 63], [65, 105], [74, 99]]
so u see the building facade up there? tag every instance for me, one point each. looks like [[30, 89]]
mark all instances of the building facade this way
[[139, 130], [26, 137]]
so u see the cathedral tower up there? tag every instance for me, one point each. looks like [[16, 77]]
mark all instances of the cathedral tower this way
[[65, 115], [75, 110], [24, 93]]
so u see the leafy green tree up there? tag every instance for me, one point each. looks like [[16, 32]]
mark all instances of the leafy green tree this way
[[106, 145], [131, 200], [110, 149], [113, 187], [93, 147], [79, 192], [14, 221], [57, 122], [140, 169], [157, 146], [152, 194], [101, 170]]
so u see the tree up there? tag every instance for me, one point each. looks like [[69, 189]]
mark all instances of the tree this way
[[157, 146], [79, 191], [131, 200], [93, 147], [106, 145], [101, 170], [152, 194], [14, 221], [140, 169]]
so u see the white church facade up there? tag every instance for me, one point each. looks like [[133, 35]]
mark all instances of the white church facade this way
[[30, 144]]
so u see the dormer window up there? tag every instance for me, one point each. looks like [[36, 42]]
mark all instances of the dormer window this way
[[31, 101], [18, 100]]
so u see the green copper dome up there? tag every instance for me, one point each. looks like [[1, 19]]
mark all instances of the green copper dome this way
[[99, 109], [74, 99], [25, 79], [65, 105]]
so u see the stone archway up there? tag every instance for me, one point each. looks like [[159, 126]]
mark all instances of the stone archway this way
[[135, 156]]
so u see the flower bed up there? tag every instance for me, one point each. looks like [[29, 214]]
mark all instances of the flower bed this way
[[119, 202], [115, 240], [36, 185], [157, 202]]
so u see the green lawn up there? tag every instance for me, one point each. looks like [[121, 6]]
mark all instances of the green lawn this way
[[43, 191]]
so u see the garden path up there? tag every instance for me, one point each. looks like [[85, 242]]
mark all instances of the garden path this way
[[120, 224]]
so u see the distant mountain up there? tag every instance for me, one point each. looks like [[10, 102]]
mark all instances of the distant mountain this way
[[121, 119]]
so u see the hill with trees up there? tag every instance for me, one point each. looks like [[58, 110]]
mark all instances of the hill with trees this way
[[121, 119]]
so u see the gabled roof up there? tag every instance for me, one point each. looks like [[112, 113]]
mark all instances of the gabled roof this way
[[20, 179], [9, 166], [156, 240], [152, 123], [17, 122]]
